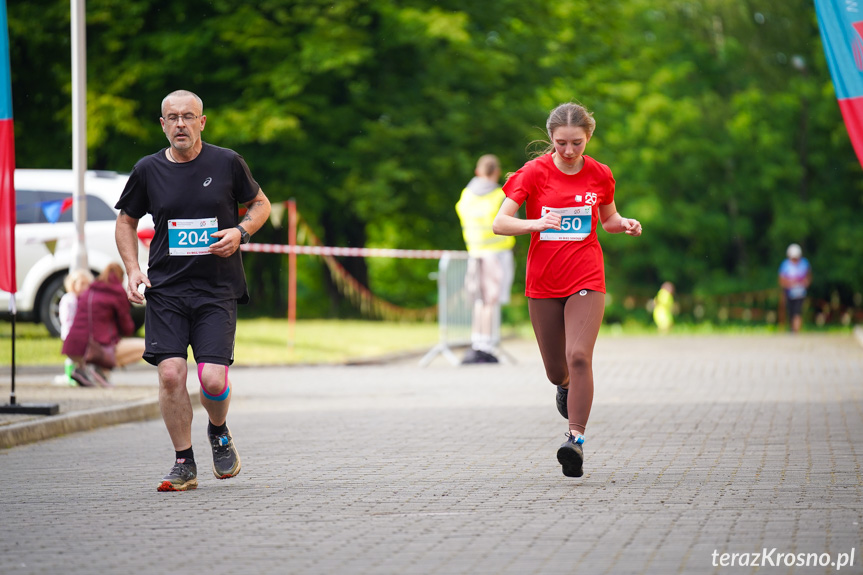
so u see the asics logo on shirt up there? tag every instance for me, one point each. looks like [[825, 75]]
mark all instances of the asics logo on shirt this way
[[207, 182]]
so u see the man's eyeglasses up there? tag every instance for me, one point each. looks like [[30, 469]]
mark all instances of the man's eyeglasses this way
[[174, 118]]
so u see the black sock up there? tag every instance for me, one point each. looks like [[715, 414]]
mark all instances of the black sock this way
[[216, 430], [186, 454]]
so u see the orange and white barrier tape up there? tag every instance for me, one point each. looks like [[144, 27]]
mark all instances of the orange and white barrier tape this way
[[353, 252]]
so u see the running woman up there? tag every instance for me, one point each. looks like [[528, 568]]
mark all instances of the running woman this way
[[195, 275], [566, 194]]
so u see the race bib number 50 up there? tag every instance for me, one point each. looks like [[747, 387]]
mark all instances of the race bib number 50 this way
[[191, 237], [575, 224]]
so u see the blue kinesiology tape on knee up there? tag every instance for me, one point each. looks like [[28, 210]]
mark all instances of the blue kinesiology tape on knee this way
[[223, 395]]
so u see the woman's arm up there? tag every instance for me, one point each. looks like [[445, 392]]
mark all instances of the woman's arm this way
[[614, 223], [506, 224]]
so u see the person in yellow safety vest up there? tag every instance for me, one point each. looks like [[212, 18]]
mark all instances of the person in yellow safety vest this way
[[663, 307], [491, 265]]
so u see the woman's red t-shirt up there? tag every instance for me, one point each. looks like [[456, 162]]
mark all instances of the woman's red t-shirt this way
[[562, 268]]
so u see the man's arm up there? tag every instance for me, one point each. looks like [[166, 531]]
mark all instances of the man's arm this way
[[126, 235], [258, 210]]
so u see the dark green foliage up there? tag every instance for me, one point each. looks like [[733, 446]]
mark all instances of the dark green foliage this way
[[717, 118]]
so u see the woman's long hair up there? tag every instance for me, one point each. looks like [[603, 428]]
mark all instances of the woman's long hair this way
[[112, 273], [568, 114]]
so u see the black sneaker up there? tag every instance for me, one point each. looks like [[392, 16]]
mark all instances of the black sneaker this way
[[97, 376], [485, 357], [82, 378], [571, 455], [562, 394], [226, 460], [182, 477], [471, 356], [478, 356]]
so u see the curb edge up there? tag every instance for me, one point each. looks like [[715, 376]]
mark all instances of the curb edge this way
[[55, 426]]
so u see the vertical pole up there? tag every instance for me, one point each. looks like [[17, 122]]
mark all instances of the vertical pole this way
[[79, 130], [14, 313], [8, 268], [495, 326], [292, 270], [442, 294]]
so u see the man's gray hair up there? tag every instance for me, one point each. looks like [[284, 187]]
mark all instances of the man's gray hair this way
[[181, 94]]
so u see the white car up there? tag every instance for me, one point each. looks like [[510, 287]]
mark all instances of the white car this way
[[43, 250]]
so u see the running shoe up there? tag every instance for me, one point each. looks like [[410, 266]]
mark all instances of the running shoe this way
[[182, 477], [485, 357], [473, 356], [562, 395], [226, 460], [571, 455], [65, 380], [97, 376], [82, 378]]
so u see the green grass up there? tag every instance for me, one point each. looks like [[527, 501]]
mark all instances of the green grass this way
[[33, 345], [259, 341], [635, 328], [265, 341]]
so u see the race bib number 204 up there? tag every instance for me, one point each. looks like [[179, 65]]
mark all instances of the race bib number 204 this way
[[575, 224], [191, 237]]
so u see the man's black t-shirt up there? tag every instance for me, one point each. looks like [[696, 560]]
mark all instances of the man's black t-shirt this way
[[184, 199]]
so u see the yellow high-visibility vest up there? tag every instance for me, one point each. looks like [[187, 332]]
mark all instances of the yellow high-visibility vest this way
[[477, 214], [663, 310]]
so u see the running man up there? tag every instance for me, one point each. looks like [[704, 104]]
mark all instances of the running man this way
[[795, 275], [195, 275]]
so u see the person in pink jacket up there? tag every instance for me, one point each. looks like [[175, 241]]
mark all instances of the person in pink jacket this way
[[103, 313]]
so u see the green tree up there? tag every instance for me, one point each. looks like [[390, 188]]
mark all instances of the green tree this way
[[718, 119], [720, 124]]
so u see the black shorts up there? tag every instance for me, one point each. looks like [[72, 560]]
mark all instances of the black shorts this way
[[794, 306], [172, 324]]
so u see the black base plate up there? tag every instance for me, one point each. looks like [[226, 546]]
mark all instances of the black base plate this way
[[31, 408]]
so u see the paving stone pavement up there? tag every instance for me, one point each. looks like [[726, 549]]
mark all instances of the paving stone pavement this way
[[696, 447]]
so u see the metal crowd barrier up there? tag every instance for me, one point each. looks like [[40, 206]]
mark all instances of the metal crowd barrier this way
[[455, 311]]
